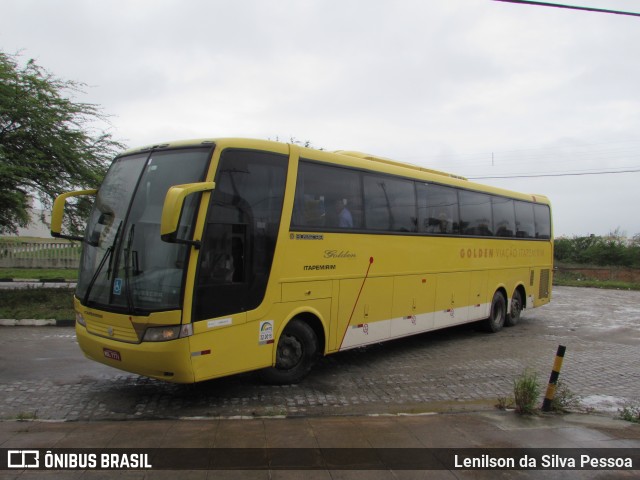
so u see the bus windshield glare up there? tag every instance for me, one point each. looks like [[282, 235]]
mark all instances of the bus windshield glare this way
[[125, 266]]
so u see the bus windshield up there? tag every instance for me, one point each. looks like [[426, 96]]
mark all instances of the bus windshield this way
[[125, 266]]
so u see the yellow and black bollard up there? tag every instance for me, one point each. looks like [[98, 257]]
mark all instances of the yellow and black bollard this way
[[553, 379]]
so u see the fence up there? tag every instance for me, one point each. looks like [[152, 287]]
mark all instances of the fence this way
[[55, 254]]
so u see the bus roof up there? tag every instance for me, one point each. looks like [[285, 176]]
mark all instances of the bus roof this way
[[454, 179], [388, 161]]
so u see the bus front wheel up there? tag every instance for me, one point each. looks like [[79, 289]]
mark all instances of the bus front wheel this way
[[296, 353], [497, 314]]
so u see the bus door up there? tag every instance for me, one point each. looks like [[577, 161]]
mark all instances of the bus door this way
[[240, 233]]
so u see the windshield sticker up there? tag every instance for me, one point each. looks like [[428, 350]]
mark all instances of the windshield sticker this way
[[117, 286], [266, 333]]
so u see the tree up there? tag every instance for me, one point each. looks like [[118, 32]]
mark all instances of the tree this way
[[47, 143]]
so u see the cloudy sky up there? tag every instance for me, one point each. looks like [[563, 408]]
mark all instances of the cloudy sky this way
[[476, 87]]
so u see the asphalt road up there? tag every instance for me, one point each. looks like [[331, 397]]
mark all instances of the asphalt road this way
[[44, 375]]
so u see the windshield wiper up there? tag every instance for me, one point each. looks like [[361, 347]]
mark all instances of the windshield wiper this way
[[107, 255], [127, 267]]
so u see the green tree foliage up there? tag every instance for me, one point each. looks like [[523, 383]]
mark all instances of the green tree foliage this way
[[611, 250], [47, 143]]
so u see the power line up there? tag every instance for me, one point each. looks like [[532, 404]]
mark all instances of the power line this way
[[571, 7], [584, 151], [536, 175]]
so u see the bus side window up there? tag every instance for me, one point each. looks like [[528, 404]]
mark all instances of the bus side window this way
[[542, 218], [525, 224], [437, 209], [475, 213], [390, 204], [503, 216], [320, 189]]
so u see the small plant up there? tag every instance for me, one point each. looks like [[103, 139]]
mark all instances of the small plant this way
[[504, 403], [26, 416], [526, 392], [564, 399], [630, 413]]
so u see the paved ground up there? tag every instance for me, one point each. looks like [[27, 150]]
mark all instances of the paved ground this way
[[44, 375], [361, 447], [362, 403]]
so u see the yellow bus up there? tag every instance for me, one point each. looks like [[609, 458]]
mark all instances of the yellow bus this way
[[213, 257]]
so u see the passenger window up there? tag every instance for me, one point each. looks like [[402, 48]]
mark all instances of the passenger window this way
[[438, 209], [475, 213], [504, 219], [525, 224], [542, 218], [327, 197], [390, 204]]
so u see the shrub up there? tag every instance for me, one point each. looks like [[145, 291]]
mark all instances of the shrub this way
[[630, 413], [564, 399], [526, 392]]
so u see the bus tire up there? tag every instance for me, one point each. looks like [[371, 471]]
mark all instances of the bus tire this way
[[296, 353], [497, 314], [516, 309]]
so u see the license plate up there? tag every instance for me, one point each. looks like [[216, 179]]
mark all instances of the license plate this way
[[112, 354]]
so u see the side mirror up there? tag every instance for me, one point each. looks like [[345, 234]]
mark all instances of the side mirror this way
[[172, 210], [57, 213]]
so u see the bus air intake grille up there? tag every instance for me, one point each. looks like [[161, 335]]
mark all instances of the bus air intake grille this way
[[114, 330], [544, 284]]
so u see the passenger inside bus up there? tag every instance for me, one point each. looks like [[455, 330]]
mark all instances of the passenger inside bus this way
[[345, 220]]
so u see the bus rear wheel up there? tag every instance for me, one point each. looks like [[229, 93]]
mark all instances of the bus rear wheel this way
[[296, 353], [516, 309], [497, 314]]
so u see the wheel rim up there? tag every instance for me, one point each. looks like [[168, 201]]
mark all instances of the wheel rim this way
[[290, 352]]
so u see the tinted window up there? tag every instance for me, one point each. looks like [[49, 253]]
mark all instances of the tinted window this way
[[333, 197], [390, 204], [543, 221], [327, 197], [525, 224], [504, 219], [438, 209], [475, 213]]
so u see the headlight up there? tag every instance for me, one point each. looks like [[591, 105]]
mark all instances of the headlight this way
[[80, 319], [164, 334]]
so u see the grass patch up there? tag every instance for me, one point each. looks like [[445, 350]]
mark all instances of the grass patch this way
[[577, 279], [27, 416], [39, 273], [15, 240], [24, 303]]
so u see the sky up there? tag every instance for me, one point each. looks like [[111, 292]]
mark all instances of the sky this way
[[478, 88]]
